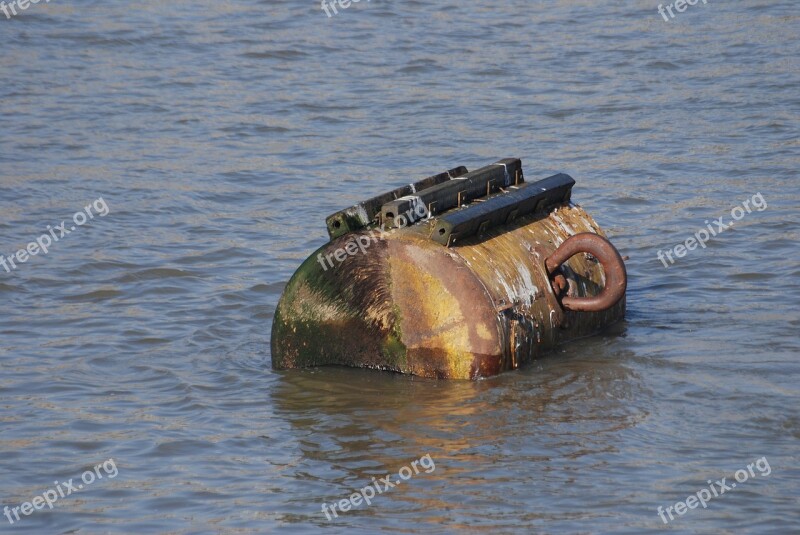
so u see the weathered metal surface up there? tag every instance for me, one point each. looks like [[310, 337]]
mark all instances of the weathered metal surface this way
[[363, 214], [502, 209], [405, 303], [453, 193]]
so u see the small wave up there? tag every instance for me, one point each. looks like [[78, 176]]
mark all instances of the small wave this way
[[156, 273], [97, 295]]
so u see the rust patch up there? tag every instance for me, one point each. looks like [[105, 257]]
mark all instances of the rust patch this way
[[445, 310]]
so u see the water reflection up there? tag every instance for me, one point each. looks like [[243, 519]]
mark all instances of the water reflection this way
[[366, 424]]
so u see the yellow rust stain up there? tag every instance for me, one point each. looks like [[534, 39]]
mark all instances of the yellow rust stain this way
[[432, 317], [483, 332]]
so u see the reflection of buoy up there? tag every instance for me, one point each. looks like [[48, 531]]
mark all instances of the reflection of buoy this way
[[461, 275]]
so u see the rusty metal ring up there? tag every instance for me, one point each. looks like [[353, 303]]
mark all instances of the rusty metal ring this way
[[613, 268]]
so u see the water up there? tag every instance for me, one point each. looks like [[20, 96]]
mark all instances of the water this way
[[221, 134]]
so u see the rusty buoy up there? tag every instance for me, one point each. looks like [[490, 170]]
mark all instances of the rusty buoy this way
[[461, 275]]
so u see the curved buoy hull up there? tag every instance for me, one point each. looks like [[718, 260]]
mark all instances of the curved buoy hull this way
[[401, 301]]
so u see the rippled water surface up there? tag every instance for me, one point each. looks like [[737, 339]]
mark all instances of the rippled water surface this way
[[220, 134]]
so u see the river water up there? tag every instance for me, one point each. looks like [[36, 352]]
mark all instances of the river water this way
[[220, 134]]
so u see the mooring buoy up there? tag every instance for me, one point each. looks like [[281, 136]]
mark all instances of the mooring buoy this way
[[461, 275]]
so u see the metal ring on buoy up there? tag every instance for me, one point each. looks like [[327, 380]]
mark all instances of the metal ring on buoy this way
[[613, 268]]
